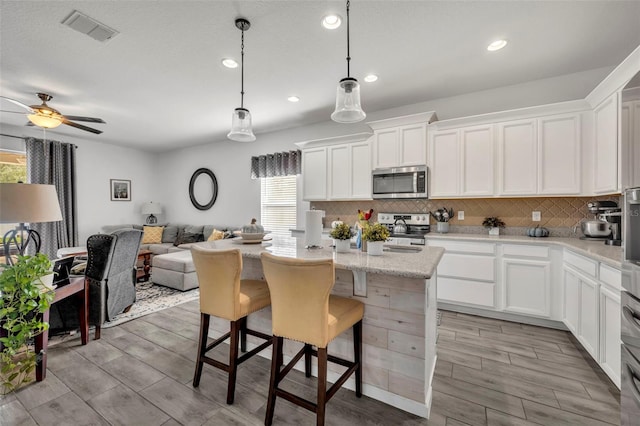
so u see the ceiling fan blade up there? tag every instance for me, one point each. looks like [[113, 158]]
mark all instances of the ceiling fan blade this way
[[14, 112], [20, 104], [80, 126], [88, 119]]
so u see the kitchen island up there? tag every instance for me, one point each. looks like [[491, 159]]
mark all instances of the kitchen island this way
[[399, 325]]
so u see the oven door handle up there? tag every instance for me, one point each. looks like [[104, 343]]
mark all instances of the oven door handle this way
[[631, 316], [633, 377]]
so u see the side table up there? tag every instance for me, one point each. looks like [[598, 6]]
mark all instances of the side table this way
[[144, 273], [78, 286]]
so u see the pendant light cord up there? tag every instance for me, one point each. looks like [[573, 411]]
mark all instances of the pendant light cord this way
[[348, 55], [242, 70]]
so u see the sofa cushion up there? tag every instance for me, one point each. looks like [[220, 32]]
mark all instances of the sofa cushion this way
[[158, 248], [188, 237], [108, 229], [170, 233], [216, 235], [152, 235], [194, 229], [179, 261]]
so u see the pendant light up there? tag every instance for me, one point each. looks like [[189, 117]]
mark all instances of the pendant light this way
[[241, 122], [348, 109]]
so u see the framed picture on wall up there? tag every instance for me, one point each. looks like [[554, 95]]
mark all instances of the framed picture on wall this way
[[120, 190]]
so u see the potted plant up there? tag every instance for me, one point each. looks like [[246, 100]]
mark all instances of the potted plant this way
[[341, 235], [442, 217], [493, 223], [375, 235], [23, 295]]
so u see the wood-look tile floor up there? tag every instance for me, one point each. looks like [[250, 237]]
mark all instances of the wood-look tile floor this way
[[489, 372]]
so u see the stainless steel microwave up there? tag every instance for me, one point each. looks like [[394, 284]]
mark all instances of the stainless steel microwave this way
[[400, 182]]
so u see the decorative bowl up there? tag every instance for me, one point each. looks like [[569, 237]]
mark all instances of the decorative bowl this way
[[252, 236]]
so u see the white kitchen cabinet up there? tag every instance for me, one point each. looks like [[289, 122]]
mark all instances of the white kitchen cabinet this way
[[605, 155], [610, 333], [630, 141], [559, 155], [581, 308], [517, 158], [527, 286], [314, 174], [570, 298], [462, 162]]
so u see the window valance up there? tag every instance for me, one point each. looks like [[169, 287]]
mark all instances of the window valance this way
[[277, 164]]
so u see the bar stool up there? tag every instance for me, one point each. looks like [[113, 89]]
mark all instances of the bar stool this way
[[224, 295], [303, 310]]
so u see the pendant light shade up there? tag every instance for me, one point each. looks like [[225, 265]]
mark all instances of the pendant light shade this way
[[348, 108], [241, 130], [241, 126]]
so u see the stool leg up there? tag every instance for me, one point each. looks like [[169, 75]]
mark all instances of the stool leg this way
[[276, 362], [357, 350], [243, 334], [233, 359], [322, 386], [202, 347], [307, 360]]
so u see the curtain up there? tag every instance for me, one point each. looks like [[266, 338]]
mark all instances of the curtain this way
[[54, 163], [278, 164]]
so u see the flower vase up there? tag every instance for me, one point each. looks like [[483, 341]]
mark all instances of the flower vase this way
[[442, 227], [374, 248], [494, 231], [342, 246]]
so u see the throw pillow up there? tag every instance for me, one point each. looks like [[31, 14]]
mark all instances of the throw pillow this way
[[152, 235], [188, 237], [216, 235]]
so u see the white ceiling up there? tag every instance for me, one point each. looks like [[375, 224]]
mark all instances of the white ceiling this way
[[160, 81]]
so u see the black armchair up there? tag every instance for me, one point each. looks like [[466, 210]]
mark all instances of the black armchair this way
[[111, 271]]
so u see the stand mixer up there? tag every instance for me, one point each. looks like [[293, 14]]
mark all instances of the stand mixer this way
[[606, 224]]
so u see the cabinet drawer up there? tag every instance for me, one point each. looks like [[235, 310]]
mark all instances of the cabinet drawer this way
[[611, 276], [463, 246], [468, 266], [525, 250], [469, 292], [582, 263]]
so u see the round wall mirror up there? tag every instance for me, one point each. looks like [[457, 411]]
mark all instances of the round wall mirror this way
[[203, 189]]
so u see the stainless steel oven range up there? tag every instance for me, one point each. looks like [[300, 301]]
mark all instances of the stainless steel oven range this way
[[407, 229]]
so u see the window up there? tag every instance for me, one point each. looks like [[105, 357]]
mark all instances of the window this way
[[278, 204]]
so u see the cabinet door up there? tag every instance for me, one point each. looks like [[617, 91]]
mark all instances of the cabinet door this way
[[527, 286], [361, 170], [559, 155], [413, 145], [606, 146], [588, 330], [314, 174], [476, 145], [444, 163], [570, 300], [610, 333], [386, 148], [339, 172], [517, 158]]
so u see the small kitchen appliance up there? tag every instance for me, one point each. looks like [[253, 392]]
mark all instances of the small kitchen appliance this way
[[416, 227], [606, 225], [399, 182]]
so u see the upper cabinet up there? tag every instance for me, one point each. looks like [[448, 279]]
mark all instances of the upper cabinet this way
[[337, 168], [400, 141], [605, 160], [630, 136]]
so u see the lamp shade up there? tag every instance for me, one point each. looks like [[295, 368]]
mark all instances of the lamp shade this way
[[28, 203], [151, 208], [241, 130], [46, 121], [348, 109]]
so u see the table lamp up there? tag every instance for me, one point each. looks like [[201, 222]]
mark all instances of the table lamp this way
[[26, 203], [151, 209]]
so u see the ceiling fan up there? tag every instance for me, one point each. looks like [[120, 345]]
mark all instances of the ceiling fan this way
[[47, 117]]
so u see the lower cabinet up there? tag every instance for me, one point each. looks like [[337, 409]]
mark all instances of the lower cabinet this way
[[610, 333], [527, 286], [580, 308]]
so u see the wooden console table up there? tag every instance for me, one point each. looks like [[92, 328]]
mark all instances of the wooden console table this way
[[78, 286], [144, 273]]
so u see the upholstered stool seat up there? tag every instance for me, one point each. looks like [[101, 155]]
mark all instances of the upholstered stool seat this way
[[225, 295], [304, 310]]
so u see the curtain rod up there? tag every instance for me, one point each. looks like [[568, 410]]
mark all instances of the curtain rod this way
[[26, 137]]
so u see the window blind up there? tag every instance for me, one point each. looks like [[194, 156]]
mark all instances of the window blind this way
[[278, 204]]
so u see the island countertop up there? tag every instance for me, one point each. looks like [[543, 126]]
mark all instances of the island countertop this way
[[420, 264]]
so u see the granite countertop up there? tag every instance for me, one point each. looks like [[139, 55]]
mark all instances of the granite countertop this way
[[596, 250], [420, 265]]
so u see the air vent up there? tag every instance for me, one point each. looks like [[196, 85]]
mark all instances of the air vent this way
[[89, 26]]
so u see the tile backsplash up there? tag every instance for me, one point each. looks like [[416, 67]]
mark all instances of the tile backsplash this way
[[562, 213]]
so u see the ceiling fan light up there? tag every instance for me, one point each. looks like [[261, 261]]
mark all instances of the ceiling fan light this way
[[348, 108], [241, 130], [46, 121]]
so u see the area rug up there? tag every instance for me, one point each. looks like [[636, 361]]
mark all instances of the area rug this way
[[152, 298]]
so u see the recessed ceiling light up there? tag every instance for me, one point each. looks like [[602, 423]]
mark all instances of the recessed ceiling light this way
[[370, 78], [496, 45], [331, 22], [293, 99], [229, 63]]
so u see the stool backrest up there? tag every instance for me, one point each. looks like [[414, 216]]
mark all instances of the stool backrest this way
[[299, 297], [218, 274]]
